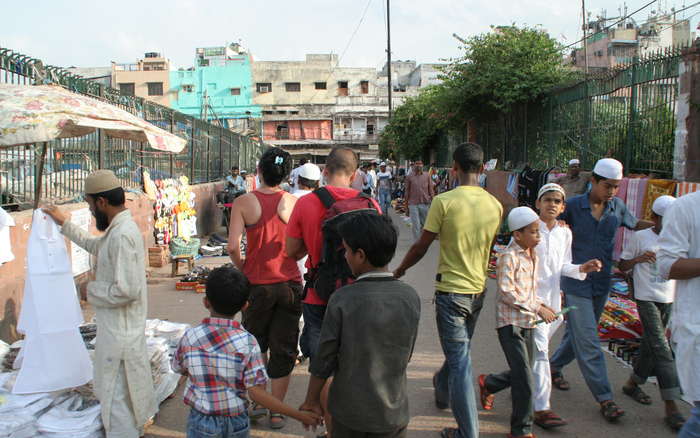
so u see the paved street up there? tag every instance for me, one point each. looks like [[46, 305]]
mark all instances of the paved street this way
[[576, 405]]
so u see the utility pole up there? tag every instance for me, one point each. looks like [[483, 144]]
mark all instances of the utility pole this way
[[585, 35], [388, 53]]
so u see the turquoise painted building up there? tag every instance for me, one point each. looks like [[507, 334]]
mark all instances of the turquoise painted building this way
[[220, 86]]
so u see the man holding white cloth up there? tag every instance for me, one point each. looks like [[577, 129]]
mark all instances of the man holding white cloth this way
[[123, 381]]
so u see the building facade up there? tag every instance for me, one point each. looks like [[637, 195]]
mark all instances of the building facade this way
[[148, 78], [219, 86]]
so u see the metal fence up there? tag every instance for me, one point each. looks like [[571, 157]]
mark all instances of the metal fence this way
[[627, 113], [211, 149]]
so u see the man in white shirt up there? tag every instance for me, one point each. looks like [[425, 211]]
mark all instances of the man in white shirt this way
[[654, 296], [679, 259], [373, 173], [384, 178], [294, 175]]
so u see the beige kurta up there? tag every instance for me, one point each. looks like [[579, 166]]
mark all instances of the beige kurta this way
[[119, 297]]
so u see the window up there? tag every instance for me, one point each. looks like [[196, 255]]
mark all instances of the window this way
[[292, 86], [294, 112], [127, 89], [342, 88], [155, 88], [235, 91], [263, 87], [370, 129], [188, 88], [281, 112], [320, 85], [267, 113], [364, 87]]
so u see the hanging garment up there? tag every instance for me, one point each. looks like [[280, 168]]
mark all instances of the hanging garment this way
[[53, 355], [683, 188], [636, 190], [6, 221], [622, 194], [656, 188]]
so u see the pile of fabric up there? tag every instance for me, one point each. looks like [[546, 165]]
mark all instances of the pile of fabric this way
[[620, 320]]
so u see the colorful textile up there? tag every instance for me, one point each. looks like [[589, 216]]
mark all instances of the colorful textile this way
[[636, 190], [656, 188], [222, 360], [683, 188], [622, 194]]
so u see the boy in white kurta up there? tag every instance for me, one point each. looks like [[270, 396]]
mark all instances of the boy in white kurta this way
[[123, 381], [554, 255]]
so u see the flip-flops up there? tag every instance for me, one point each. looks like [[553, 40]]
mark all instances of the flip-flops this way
[[548, 420], [280, 423], [611, 411], [486, 397], [559, 382], [637, 394], [675, 421]]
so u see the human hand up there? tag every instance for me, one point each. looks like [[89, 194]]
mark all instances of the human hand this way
[[398, 273], [647, 257], [57, 214], [593, 265], [547, 314], [309, 419]]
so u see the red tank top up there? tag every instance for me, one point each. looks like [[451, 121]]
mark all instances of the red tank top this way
[[266, 257]]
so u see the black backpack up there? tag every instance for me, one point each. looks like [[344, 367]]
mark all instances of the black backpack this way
[[333, 271]]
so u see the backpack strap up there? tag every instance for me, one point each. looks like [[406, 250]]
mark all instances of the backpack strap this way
[[325, 196]]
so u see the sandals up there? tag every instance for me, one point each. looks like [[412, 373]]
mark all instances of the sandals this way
[[637, 394], [486, 397], [611, 411], [449, 432], [548, 420], [559, 382], [675, 421], [277, 424], [256, 412]]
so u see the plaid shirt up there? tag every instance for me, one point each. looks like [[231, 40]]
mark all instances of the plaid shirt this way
[[221, 360], [517, 302]]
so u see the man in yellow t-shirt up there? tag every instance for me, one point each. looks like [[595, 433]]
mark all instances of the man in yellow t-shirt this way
[[467, 219]]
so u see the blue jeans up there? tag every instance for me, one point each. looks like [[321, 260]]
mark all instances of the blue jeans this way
[[385, 200], [456, 316], [217, 426], [581, 342], [691, 428], [310, 336]]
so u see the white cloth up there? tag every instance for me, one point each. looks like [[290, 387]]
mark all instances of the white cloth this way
[[53, 355], [119, 296], [6, 221], [648, 283], [680, 239], [554, 256], [520, 217]]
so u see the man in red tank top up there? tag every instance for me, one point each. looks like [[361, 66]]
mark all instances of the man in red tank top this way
[[275, 294]]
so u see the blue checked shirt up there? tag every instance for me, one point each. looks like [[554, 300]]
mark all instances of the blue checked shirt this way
[[221, 360]]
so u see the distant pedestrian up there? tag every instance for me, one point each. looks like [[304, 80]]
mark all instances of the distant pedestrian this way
[[384, 187], [359, 179], [517, 309], [679, 259], [294, 174], [223, 364], [574, 182], [275, 295], [419, 194], [594, 219], [367, 339], [654, 296], [369, 180], [466, 220]]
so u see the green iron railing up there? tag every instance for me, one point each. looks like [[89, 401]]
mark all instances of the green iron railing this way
[[211, 149], [627, 113]]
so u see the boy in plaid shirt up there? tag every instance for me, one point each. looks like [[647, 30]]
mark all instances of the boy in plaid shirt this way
[[223, 362], [518, 307]]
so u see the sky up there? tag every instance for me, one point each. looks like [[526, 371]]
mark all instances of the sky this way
[[87, 33]]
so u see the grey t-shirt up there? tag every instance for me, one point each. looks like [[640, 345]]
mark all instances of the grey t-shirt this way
[[367, 340]]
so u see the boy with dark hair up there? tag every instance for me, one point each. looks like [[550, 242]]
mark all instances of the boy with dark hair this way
[[594, 219], [223, 362], [518, 307], [367, 339]]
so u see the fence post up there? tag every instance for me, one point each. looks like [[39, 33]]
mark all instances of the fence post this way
[[100, 149], [192, 151], [629, 144], [208, 159], [172, 155]]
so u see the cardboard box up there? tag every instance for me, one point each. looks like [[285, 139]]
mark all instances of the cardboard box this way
[[186, 285]]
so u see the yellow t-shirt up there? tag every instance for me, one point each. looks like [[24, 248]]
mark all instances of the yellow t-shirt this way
[[467, 219]]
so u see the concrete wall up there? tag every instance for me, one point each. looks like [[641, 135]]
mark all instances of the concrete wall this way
[[12, 273], [140, 78]]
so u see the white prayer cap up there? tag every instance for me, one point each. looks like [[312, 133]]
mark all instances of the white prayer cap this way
[[662, 203], [608, 168], [383, 163], [551, 187], [574, 161], [310, 171], [520, 217]]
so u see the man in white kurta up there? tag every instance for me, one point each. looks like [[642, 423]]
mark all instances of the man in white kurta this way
[[679, 258], [123, 381]]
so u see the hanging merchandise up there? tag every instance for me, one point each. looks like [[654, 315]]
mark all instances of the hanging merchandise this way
[[656, 188], [636, 190], [50, 316], [622, 194], [529, 183], [174, 211], [683, 188], [620, 320], [6, 221]]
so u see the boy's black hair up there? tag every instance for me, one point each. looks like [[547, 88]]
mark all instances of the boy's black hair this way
[[375, 234], [275, 165], [310, 183], [598, 178], [234, 168], [227, 290], [469, 157], [115, 197]]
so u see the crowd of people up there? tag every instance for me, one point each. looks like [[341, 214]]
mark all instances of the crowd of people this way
[[322, 252]]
